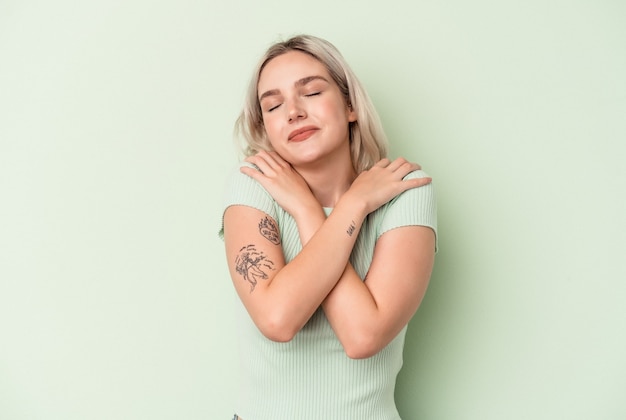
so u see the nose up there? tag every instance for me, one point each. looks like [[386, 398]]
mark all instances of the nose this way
[[296, 110]]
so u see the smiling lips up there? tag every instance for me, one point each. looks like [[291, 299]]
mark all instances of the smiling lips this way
[[302, 133]]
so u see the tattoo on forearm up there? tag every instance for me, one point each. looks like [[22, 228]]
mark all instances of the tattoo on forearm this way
[[269, 230], [351, 229], [253, 265]]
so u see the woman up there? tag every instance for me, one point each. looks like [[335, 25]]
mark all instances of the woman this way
[[329, 244]]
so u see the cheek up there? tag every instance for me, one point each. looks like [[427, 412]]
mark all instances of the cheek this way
[[270, 127], [272, 132], [337, 111]]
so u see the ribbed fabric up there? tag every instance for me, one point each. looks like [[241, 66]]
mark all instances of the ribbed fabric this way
[[310, 377]]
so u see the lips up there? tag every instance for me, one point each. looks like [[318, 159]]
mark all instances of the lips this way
[[302, 133]]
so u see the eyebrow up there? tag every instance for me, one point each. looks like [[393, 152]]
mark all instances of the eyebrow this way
[[299, 83]]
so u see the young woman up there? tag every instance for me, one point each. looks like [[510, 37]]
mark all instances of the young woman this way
[[329, 244]]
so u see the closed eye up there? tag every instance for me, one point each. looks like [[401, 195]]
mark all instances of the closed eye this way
[[273, 108], [313, 94]]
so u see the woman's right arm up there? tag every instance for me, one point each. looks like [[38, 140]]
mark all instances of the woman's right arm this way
[[279, 297]]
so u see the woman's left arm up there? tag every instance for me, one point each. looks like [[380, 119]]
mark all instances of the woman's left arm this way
[[367, 315]]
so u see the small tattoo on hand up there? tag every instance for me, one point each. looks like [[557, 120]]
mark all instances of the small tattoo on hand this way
[[269, 230], [252, 265], [351, 229]]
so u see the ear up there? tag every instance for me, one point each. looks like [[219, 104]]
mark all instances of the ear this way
[[351, 113]]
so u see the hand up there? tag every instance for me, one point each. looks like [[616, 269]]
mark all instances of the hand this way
[[384, 181], [283, 182]]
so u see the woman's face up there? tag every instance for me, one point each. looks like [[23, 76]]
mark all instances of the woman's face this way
[[305, 116]]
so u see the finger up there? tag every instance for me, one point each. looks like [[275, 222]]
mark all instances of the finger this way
[[264, 161], [418, 182], [252, 172], [269, 158], [397, 163], [278, 159], [274, 160], [383, 163], [403, 167]]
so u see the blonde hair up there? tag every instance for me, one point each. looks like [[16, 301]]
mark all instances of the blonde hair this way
[[368, 142]]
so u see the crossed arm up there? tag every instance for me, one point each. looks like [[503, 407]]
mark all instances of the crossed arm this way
[[280, 298]]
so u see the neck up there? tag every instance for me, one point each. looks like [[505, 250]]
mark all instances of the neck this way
[[328, 183]]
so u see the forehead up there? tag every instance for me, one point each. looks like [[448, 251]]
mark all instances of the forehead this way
[[288, 68]]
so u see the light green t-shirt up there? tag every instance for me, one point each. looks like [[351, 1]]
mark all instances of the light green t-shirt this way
[[310, 377]]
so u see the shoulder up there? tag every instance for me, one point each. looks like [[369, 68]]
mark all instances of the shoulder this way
[[242, 190], [420, 196], [240, 186], [414, 207]]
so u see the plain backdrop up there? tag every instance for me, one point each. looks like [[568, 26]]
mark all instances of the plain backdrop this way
[[116, 137]]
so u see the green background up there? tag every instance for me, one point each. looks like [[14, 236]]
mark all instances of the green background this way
[[115, 140]]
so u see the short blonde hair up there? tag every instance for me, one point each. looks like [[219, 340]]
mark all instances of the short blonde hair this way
[[368, 142]]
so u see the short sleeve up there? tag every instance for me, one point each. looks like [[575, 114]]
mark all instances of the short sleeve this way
[[414, 207], [240, 189]]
